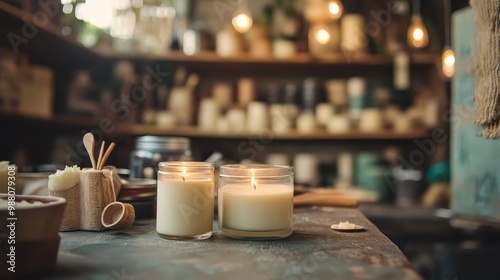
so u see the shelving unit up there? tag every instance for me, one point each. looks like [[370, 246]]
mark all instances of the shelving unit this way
[[194, 132], [65, 54]]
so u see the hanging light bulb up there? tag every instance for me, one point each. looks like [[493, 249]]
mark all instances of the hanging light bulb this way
[[417, 33], [322, 36], [242, 20], [448, 62], [335, 9]]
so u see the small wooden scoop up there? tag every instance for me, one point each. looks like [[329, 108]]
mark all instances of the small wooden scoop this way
[[320, 199]]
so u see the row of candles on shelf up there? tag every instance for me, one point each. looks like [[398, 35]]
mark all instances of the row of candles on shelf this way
[[349, 106]]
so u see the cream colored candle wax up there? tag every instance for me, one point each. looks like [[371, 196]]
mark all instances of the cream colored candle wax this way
[[185, 200], [265, 207], [185, 208]]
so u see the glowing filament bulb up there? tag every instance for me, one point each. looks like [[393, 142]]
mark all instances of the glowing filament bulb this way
[[322, 36], [242, 21], [448, 62], [417, 33], [335, 9]]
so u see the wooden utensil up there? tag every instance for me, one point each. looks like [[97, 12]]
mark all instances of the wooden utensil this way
[[324, 200], [101, 152], [89, 143], [106, 155]]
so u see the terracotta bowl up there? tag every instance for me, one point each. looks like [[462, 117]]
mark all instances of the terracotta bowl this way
[[36, 236], [37, 221]]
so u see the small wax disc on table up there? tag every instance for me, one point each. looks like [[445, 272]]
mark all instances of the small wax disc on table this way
[[342, 228]]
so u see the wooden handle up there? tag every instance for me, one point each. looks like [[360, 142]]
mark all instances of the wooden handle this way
[[325, 200]]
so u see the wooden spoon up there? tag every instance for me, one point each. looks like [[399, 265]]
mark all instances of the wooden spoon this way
[[106, 155], [101, 152], [89, 143]]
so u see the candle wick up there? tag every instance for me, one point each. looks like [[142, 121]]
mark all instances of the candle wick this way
[[254, 187], [183, 179]]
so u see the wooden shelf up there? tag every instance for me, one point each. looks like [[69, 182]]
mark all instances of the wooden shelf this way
[[299, 59], [67, 47], [194, 132]]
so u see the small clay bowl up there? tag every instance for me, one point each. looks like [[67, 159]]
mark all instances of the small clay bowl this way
[[118, 215]]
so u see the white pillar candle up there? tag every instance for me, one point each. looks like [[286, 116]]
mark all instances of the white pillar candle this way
[[208, 115], [306, 123], [371, 120], [236, 119], [401, 70], [353, 33], [306, 168], [181, 105], [257, 119], [256, 201], [344, 171], [278, 159], [324, 111], [280, 122], [337, 92], [223, 95], [185, 200], [228, 42], [222, 124], [339, 124], [284, 48], [165, 119], [402, 123], [246, 92]]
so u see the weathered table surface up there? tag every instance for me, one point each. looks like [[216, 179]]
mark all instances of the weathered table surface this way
[[313, 251]]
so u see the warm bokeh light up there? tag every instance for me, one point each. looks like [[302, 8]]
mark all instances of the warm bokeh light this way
[[322, 36], [335, 9], [97, 12], [448, 62], [242, 21], [417, 33]]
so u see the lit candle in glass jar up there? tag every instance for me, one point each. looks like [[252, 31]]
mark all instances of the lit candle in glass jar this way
[[256, 201], [185, 200]]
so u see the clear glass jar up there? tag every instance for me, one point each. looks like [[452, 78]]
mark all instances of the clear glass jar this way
[[255, 201], [151, 150], [185, 200]]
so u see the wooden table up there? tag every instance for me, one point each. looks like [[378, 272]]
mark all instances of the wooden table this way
[[313, 251]]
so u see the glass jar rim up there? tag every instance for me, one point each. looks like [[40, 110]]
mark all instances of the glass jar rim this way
[[255, 170], [198, 167]]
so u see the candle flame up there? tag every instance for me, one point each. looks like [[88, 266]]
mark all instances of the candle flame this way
[[253, 179], [183, 173]]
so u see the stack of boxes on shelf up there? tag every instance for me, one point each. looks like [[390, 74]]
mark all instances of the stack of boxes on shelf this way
[[25, 89]]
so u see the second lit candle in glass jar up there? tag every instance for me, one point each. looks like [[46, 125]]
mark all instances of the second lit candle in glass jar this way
[[255, 201]]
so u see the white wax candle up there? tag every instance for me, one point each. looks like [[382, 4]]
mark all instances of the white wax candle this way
[[257, 119], [267, 207], [209, 114], [323, 113], [185, 208]]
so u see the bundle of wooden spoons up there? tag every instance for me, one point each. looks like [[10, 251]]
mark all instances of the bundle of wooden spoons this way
[[89, 143]]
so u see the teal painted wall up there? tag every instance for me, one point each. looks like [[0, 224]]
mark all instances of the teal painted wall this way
[[475, 160]]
